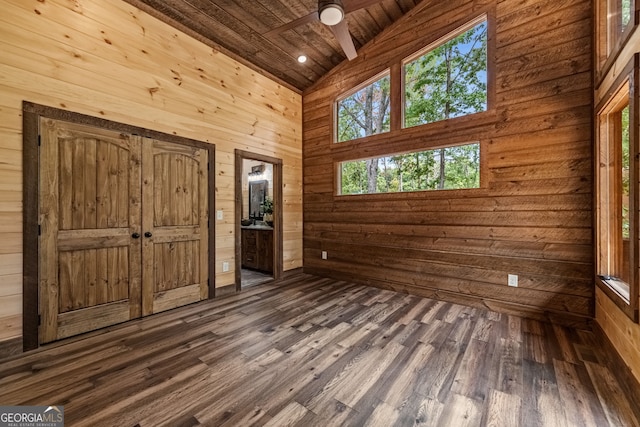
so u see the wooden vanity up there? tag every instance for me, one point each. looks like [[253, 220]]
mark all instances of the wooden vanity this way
[[257, 248]]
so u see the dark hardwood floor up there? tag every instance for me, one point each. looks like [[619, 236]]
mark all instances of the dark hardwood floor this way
[[315, 352]]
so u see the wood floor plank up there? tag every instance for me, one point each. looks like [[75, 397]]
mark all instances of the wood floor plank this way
[[384, 415], [474, 374], [310, 351], [574, 395], [542, 406], [428, 413], [503, 409], [510, 367], [405, 380], [356, 386], [614, 403], [460, 411], [289, 416]]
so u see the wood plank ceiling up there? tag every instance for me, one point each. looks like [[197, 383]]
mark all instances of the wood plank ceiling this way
[[243, 29]]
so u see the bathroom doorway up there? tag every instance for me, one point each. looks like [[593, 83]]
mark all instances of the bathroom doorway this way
[[258, 219]]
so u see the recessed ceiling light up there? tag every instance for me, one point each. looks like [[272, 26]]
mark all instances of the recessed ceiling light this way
[[302, 59]]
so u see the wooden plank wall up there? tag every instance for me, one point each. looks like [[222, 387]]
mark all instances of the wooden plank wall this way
[[533, 216], [621, 331], [107, 59]]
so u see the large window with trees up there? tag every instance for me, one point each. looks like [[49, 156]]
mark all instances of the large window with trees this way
[[365, 112], [618, 190], [441, 169], [448, 78], [445, 80]]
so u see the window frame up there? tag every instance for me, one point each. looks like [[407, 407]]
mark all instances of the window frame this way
[[481, 179], [334, 110], [606, 133], [459, 30], [428, 136], [610, 41]]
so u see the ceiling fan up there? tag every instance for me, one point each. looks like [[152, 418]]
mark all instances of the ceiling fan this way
[[332, 14]]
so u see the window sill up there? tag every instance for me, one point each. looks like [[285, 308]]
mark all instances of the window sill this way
[[618, 292], [618, 286]]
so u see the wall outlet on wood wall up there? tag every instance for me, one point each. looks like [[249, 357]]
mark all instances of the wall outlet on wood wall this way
[[225, 267], [324, 254], [513, 280]]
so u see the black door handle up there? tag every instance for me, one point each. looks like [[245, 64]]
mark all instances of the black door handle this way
[[148, 234], [136, 235]]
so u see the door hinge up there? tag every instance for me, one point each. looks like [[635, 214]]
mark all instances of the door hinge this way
[[39, 230], [39, 140], [208, 166]]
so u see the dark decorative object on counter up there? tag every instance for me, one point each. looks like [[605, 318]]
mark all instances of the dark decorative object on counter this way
[[268, 211]]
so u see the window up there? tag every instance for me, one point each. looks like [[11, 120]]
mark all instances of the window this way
[[617, 196], [445, 80], [366, 112], [619, 12], [625, 13], [449, 79], [614, 18], [441, 169]]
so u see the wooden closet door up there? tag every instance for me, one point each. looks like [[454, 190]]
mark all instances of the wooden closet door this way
[[90, 275], [175, 219]]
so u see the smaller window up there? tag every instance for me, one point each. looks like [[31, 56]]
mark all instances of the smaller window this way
[[620, 12], [447, 168], [625, 13], [613, 20], [365, 112], [449, 79], [617, 218]]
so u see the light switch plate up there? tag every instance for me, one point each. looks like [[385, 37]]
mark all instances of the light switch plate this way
[[219, 215], [225, 267]]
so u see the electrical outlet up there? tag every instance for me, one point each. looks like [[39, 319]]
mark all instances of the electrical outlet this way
[[324, 254], [225, 267], [513, 280], [219, 215]]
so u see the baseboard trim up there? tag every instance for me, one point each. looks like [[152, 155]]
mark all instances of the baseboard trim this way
[[10, 347], [571, 320], [293, 272], [223, 291]]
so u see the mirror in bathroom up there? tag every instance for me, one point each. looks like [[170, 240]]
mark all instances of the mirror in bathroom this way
[[257, 195]]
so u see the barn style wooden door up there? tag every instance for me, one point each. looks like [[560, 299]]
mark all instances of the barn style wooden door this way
[[123, 227]]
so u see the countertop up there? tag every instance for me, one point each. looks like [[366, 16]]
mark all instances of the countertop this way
[[256, 227]]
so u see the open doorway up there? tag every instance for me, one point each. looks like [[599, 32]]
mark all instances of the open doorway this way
[[258, 219]]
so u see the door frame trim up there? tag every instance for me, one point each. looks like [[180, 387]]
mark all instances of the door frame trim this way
[[31, 115], [241, 155]]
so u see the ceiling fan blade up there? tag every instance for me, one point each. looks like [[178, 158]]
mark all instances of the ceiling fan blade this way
[[341, 32], [312, 17], [352, 5]]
